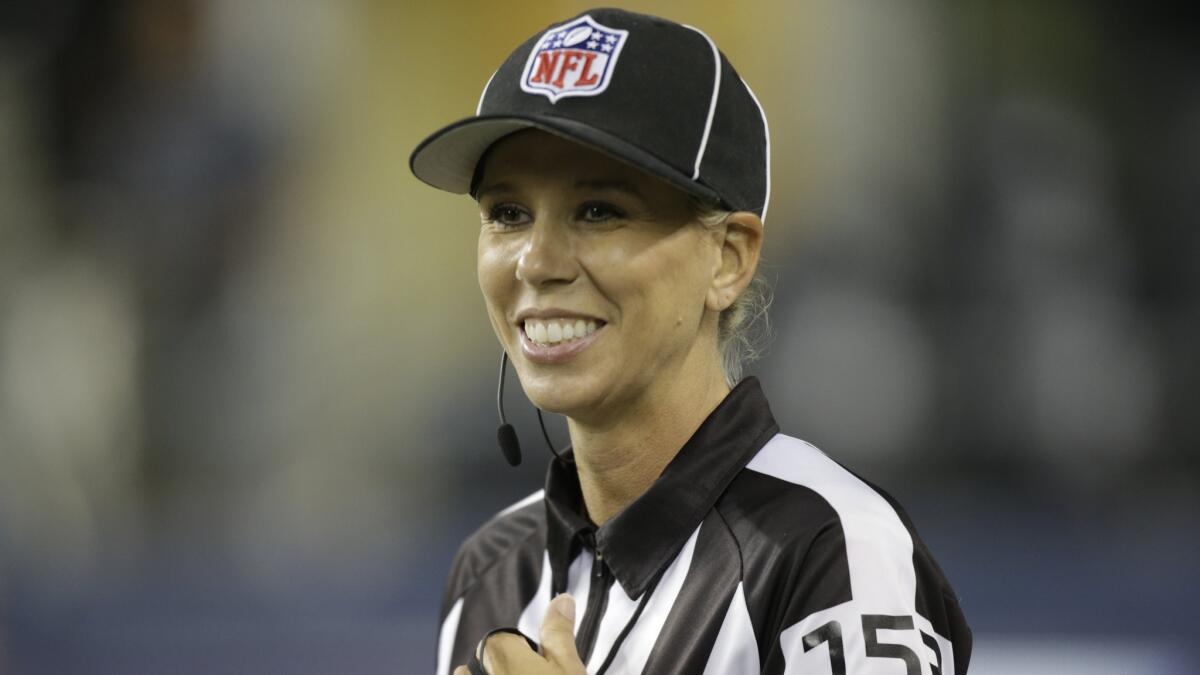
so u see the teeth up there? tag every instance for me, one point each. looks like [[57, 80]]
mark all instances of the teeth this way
[[553, 331]]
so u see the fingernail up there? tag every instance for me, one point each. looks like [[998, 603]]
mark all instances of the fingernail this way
[[565, 605]]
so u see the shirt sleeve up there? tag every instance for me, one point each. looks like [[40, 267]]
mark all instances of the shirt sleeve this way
[[870, 600], [493, 576], [451, 615]]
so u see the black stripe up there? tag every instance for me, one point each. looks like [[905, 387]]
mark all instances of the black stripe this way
[[497, 572], [694, 621], [795, 555], [597, 605], [495, 539]]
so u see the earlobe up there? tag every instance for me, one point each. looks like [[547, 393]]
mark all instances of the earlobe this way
[[740, 250]]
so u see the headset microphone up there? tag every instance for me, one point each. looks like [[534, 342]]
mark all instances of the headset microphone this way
[[506, 435]]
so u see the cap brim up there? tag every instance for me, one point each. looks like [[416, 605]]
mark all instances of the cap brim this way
[[447, 158]]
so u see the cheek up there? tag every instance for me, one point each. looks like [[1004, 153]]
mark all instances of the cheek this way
[[495, 270], [661, 288]]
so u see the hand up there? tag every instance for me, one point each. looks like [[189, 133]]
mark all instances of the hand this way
[[509, 654]]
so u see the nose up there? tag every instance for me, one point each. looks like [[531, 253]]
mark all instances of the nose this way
[[548, 255]]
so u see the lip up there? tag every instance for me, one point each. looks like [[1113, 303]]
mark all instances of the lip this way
[[556, 353]]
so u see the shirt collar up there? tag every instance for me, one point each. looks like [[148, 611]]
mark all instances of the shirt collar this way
[[645, 537]]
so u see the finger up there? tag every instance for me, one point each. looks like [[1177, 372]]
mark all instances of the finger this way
[[509, 654], [558, 634], [461, 670]]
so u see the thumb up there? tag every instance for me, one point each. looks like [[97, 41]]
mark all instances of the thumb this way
[[558, 634]]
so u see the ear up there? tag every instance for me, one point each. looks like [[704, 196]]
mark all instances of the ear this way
[[740, 249]]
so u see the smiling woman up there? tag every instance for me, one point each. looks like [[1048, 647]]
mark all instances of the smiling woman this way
[[617, 256], [570, 235]]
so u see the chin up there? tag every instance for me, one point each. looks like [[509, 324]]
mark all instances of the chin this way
[[560, 394]]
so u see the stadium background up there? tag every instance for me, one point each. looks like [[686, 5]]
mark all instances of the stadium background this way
[[246, 378]]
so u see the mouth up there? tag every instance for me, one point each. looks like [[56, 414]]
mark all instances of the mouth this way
[[557, 339], [554, 331]]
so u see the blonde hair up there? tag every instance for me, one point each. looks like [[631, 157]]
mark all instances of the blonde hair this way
[[744, 328]]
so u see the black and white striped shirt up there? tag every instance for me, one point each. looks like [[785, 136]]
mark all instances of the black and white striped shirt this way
[[752, 553]]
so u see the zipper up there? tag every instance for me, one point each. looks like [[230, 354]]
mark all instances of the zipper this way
[[602, 580]]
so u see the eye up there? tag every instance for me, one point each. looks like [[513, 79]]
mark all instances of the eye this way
[[599, 212], [507, 215]]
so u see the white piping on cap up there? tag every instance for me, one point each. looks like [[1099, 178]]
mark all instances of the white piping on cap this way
[[712, 105], [483, 93], [767, 140]]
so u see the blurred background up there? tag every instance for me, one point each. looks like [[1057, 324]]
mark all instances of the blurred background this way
[[246, 378]]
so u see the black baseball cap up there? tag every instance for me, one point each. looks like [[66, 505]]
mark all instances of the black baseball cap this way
[[647, 91]]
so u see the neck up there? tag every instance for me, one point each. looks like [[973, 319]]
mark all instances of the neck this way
[[619, 459]]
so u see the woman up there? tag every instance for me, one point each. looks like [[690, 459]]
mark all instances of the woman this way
[[621, 167]]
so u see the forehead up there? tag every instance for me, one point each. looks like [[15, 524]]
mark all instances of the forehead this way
[[537, 157]]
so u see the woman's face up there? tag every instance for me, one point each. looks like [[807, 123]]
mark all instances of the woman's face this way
[[594, 273]]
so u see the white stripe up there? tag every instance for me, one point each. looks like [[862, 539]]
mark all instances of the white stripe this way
[[483, 93], [635, 651], [878, 546], [579, 578], [767, 140], [530, 622], [736, 648], [446, 638], [879, 555], [535, 497], [712, 104], [579, 583]]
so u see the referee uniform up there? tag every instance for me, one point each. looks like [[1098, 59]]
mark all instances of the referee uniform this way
[[752, 553]]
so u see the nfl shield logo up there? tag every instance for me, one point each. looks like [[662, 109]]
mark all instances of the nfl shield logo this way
[[575, 59]]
